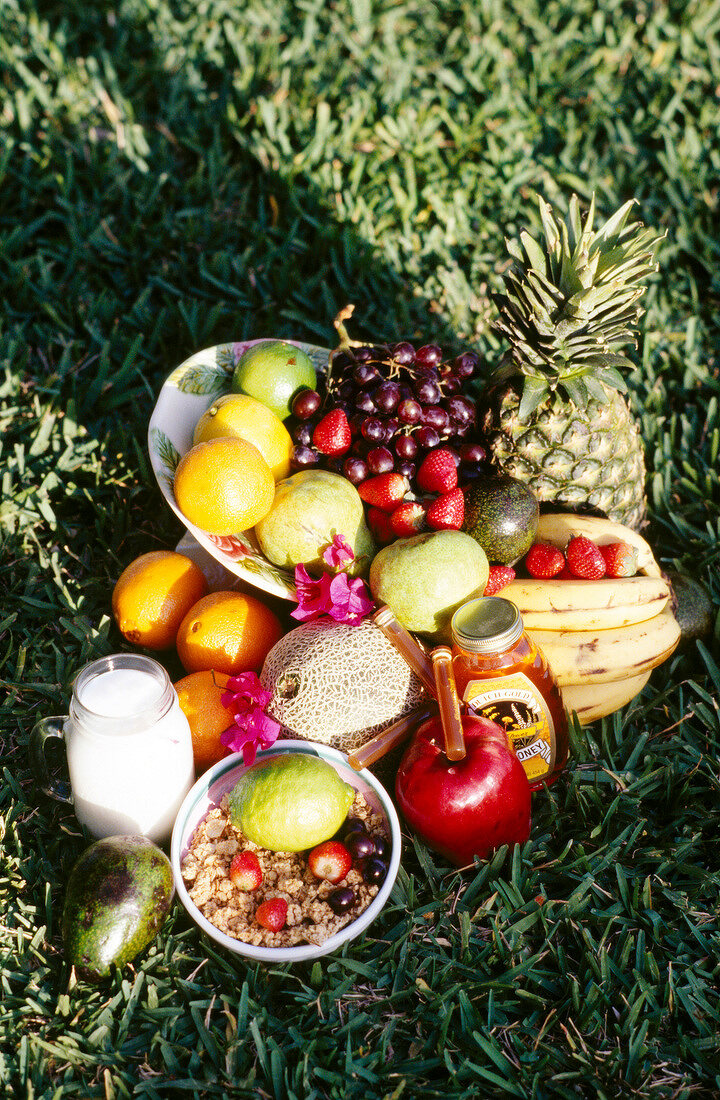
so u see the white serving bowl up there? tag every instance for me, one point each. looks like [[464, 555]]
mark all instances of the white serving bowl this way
[[218, 781], [186, 393]]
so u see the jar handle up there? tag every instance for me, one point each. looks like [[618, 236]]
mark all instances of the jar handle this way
[[43, 731]]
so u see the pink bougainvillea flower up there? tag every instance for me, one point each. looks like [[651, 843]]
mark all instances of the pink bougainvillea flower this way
[[252, 728], [349, 599], [345, 600], [338, 553]]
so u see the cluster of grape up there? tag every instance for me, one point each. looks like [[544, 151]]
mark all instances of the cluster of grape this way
[[400, 402]]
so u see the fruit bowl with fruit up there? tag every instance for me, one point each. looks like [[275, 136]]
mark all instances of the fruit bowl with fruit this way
[[287, 859], [394, 422], [186, 395]]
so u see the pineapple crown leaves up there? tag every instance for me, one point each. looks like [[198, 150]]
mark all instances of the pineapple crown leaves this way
[[571, 304]]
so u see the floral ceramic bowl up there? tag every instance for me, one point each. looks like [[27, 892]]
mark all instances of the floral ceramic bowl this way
[[218, 781], [187, 392]]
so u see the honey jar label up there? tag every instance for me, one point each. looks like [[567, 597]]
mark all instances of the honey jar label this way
[[518, 707]]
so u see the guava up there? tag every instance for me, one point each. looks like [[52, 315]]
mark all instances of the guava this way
[[310, 508], [290, 802], [424, 579]]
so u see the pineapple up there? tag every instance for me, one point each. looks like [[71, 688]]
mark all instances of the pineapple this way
[[554, 415]]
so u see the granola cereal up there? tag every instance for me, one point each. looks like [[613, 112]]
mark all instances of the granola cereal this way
[[205, 870]]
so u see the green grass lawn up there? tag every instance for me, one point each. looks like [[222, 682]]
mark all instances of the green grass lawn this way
[[176, 175]]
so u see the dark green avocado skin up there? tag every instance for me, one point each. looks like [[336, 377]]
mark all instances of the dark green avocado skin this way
[[692, 606], [117, 898], [502, 514]]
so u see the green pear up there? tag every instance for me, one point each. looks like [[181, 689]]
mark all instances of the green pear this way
[[424, 579], [310, 508]]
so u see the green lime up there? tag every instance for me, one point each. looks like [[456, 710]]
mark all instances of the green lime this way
[[273, 372], [290, 802]]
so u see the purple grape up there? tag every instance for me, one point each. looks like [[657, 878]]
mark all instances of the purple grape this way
[[363, 354], [356, 422], [373, 430], [387, 396], [427, 437], [373, 870], [429, 355], [472, 454], [403, 353], [382, 847], [466, 364], [355, 470], [380, 460], [436, 417], [305, 404], [353, 825], [364, 374], [303, 457], [302, 434], [405, 446], [409, 411], [451, 386], [365, 402], [346, 390], [407, 469], [427, 392], [342, 363], [341, 900], [360, 845], [461, 410]]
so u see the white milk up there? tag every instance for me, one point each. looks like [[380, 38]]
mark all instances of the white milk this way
[[121, 692], [129, 748]]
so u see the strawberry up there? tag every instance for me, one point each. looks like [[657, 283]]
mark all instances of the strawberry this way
[[330, 861], [447, 512], [621, 559], [500, 575], [565, 575], [384, 491], [380, 525], [584, 558], [408, 519], [272, 914], [245, 871], [438, 471], [332, 435], [544, 561]]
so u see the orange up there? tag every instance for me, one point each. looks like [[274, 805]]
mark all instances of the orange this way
[[229, 631], [240, 416], [152, 596], [224, 486], [200, 695]]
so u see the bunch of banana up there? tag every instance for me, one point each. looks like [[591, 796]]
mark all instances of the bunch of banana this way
[[603, 638]]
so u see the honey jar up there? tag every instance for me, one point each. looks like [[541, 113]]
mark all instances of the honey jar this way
[[502, 675]]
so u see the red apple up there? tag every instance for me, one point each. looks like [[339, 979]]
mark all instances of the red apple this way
[[464, 808]]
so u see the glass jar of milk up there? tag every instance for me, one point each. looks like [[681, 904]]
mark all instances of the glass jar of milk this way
[[128, 745]]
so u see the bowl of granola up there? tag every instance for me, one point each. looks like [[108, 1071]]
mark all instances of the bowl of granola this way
[[276, 906]]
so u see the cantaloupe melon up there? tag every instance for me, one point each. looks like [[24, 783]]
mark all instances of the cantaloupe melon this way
[[338, 684]]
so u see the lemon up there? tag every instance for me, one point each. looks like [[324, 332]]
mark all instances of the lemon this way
[[236, 414], [290, 802], [273, 372]]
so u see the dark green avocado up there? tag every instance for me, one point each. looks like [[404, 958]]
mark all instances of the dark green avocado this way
[[501, 513], [692, 606], [116, 900]]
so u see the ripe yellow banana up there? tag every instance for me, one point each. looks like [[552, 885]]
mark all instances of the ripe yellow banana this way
[[587, 605], [593, 701], [558, 529], [602, 656]]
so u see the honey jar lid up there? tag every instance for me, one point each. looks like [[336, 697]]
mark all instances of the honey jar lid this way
[[489, 624]]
